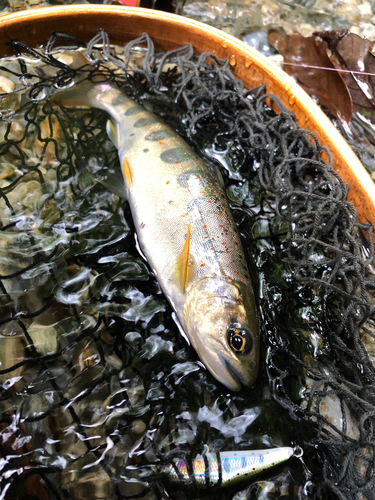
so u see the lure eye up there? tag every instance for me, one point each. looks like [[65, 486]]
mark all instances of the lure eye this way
[[240, 340]]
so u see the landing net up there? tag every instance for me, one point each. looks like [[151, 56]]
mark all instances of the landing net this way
[[96, 382]]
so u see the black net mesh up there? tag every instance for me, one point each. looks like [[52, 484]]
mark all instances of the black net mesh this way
[[96, 382]]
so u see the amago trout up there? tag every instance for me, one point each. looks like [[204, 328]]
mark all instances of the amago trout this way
[[187, 233]]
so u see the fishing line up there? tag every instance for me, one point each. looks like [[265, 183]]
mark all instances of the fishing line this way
[[302, 65]]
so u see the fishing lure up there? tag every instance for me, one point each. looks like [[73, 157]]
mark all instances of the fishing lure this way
[[226, 468]]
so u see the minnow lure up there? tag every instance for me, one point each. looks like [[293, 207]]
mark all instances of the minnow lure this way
[[226, 468], [186, 232]]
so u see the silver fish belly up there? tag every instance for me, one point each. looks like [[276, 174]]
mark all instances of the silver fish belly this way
[[188, 235]]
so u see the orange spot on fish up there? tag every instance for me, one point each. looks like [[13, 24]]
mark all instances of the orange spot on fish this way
[[183, 215], [220, 211], [202, 265], [229, 277], [232, 261], [161, 142], [168, 182], [182, 151], [196, 163], [228, 251], [221, 225], [200, 212], [224, 243], [177, 163], [226, 234], [236, 272], [209, 201], [201, 192], [211, 187], [205, 237], [204, 227], [198, 176]]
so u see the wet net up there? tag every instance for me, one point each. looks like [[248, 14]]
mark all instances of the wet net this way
[[97, 385]]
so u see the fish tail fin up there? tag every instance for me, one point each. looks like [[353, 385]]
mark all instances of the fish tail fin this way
[[79, 95]]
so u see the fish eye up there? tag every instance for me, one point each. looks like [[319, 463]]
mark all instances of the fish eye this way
[[240, 340]]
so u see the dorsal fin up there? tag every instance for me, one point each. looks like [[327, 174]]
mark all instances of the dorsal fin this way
[[215, 171], [183, 262], [112, 132]]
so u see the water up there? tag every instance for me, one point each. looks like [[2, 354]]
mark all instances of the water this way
[[250, 19], [97, 382]]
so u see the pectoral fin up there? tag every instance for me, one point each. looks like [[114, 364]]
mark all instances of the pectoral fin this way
[[127, 170], [182, 264]]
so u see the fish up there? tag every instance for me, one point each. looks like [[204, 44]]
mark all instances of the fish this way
[[186, 231], [226, 468]]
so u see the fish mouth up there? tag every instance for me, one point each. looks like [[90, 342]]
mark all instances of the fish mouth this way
[[237, 379], [225, 373], [222, 368]]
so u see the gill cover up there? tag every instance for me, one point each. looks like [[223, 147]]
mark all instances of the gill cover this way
[[220, 321]]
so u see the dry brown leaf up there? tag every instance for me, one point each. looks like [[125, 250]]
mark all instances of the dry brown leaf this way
[[352, 53], [321, 81]]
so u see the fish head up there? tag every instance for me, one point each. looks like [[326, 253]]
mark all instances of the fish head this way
[[220, 322]]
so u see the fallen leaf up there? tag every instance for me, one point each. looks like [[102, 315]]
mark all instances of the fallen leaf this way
[[322, 80], [352, 53]]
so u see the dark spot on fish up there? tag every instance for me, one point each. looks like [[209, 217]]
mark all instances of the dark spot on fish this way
[[146, 150], [170, 202], [173, 155], [143, 122], [131, 135], [159, 135], [117, 100], [134, 110], [183, 179], [142, 225]]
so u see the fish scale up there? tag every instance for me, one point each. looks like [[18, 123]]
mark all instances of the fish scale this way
[[187, 233], [199, 204]]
